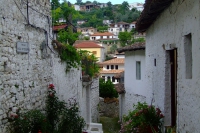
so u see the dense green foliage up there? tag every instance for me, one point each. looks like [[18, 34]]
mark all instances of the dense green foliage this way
[[142, 119], [58, 117], [106, 89], [95, 17]]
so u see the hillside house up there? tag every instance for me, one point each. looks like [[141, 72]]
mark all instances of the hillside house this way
[[113, 70], [101, 35], [108, 43], [80, 22], [93, 47], [87, 31], [134, 76], [88, 7], [137, 6], [119, 27], [173, 60]]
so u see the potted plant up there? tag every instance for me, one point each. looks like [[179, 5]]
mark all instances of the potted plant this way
[[143, 119]]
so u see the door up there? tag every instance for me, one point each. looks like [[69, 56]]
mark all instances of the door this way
[[173, 62]]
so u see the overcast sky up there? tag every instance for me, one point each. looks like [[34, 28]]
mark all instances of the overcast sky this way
[[112, 1]]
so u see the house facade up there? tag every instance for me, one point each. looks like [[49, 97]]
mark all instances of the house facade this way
[[173, 60], [134, 75], [87, 30], [93, 47], [120, 27], [101, 35], [113, 70], [88, 7]]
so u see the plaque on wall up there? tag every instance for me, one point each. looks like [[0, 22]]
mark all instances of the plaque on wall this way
[[22, 47]]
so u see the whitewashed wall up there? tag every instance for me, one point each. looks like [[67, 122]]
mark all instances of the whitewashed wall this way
[[136, 90], [180, 19]]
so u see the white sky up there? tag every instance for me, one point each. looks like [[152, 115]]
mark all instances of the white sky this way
[[112, 1]]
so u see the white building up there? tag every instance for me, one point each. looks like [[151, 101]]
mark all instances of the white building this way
[[101, 35], [111, 69], [119, 27], [138, 6], [134, 75], [173, 60]]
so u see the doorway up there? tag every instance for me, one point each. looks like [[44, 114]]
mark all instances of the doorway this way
[[173, 63]]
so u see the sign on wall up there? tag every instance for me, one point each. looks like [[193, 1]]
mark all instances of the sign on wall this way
[[22, 47]]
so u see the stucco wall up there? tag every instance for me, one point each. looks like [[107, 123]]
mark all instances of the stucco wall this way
[[136, 90], [180, 19]]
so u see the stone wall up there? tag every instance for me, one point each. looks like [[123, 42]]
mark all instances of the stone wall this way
[[109, 109], [24, 77], [171, 27]]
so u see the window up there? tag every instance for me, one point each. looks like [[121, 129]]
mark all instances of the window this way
[[138, 70], [113, 79], [116, 67], [107, 36], [108, 78], [107, 66], [93, 38], [112, 66], [101, 37], [94, 52], [188, 55]]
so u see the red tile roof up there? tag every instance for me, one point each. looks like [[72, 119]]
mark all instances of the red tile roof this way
[[103, 34], [58, 27], [111, 71], [87, 44], [113, 61]]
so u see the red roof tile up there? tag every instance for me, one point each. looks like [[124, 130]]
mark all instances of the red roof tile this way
[[58, 27], [113, 61], [87, 44], [103, 34]]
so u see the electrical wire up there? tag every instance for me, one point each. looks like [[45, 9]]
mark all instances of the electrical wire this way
[[20, 10]]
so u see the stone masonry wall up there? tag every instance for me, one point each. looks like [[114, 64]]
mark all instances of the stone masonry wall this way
[[108, 109], [23, 76]]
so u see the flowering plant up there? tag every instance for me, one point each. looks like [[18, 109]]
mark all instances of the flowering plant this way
[[142, 119]]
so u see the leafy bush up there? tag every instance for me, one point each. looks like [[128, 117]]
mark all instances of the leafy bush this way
[[106, 89], [31, 121], [141, 119], [60, 117]]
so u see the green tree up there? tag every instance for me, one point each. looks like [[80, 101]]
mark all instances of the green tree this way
[[106, 89], [55, 4], [67, 37], [125, 38]]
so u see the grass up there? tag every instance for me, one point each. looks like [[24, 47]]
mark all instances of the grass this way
[[110, 125]]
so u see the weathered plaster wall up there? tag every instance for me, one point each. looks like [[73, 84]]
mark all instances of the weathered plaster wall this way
[[180, 19], [90, 101], [136, 90], [23, 77]]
